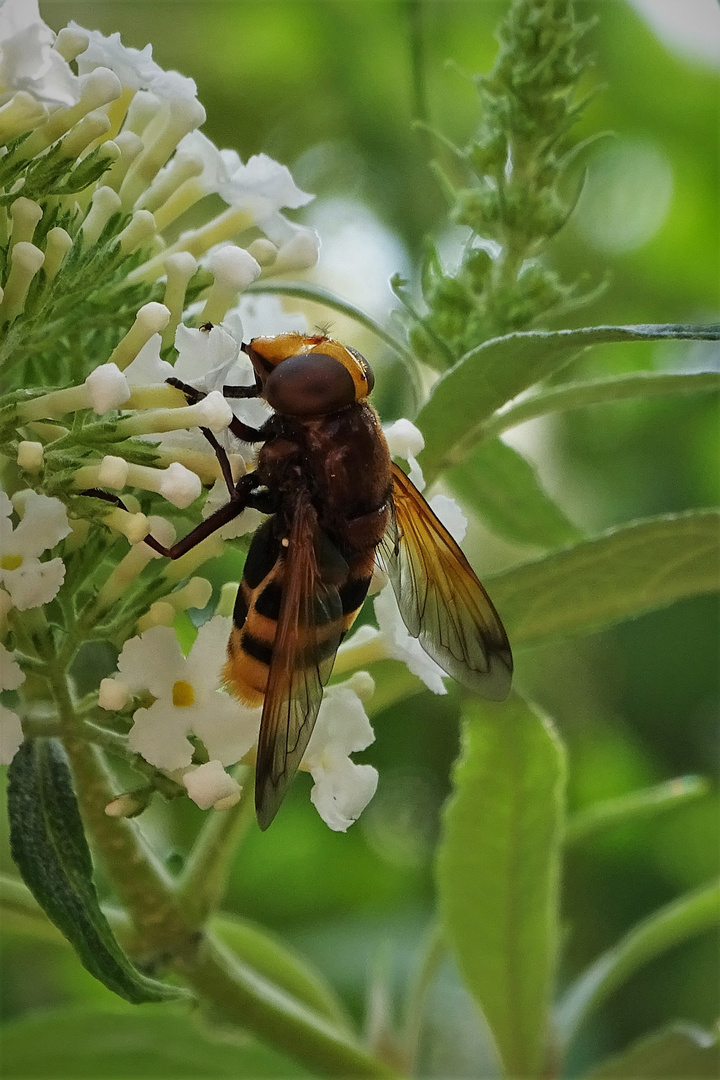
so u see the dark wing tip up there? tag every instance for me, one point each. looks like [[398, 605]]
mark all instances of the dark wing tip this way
[[267, 802], [497, 681]]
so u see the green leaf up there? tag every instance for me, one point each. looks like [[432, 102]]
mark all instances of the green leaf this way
[[498, 370], [498, 870], [682, 1052], [676, 922], [617, 575], [279, 964], [579, 395], [504, 488], [49, 847], [162, 1042], [638, 804]]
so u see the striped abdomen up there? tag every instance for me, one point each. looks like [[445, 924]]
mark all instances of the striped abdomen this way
[[257, 610]]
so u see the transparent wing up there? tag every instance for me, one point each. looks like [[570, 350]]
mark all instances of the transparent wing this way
[[308, 634], [440, 598]]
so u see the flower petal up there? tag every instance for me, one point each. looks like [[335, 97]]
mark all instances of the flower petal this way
[[210, 784], [158, 737], [153, 661], [207, 657], [11, 735], [44, 523], [11, 674], [342, 727], [401, 646], [34, 583], [228, 728], [341, 793]]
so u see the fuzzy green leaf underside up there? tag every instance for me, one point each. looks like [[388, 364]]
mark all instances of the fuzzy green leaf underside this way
[[498, 871], [623, 573], [49, 847], [498, 370]]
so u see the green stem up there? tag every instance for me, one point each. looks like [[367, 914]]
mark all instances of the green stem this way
[[599, 392], [202, 884], [433, 956], [684, 918], [255, 1004]]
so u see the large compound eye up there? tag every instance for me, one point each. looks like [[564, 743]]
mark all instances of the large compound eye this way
[[311, 384]]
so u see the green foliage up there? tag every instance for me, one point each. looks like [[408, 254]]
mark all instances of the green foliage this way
[[91, 1043], [498, 886], [501, 486], [51, 852], [519, 160], [628, 571], [680, 1051], [487, 378]]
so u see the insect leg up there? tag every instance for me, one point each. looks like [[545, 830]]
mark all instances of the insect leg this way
[[239, 429], [223, 460], [242, 493]]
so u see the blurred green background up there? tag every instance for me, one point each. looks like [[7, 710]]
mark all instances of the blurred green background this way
[[326, 88]]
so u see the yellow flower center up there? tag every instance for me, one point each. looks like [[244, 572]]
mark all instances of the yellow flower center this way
[[183, 694], [11, 562]]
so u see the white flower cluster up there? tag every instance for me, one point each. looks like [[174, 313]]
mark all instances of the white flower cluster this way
[[143, 121], [187, 701]]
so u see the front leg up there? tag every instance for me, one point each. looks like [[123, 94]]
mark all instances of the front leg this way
[[240, 500], [239, 429]]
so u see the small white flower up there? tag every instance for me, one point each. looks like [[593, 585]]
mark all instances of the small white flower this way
[[135, 68], [233, 268], [187, 698], [214, 411], [263, 185], [113, 695], [406, 441], [44, 523], [179, 485], [218, 165], [107, 388], [205, 357], [11, 733], [27, 60], [209, 785], [147, 369], [342, 789], [401, 646]]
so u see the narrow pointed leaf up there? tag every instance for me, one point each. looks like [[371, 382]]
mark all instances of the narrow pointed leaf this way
[[498, 370], [49, 847], [597, 819], [618, 575], [504, 489], [580, 395], [498, 870], [676, 922], [682, 1052]]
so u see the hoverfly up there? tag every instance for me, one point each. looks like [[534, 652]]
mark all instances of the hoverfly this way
[[335, 500]]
